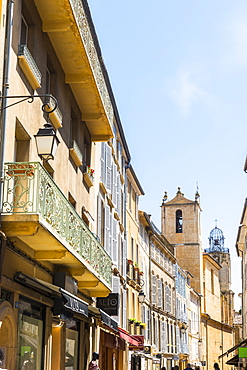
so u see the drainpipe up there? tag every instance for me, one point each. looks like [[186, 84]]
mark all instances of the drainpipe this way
[[208, 317], [6, 73], [3, 118]]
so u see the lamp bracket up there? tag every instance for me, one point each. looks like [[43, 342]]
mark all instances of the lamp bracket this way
[[30, 99]]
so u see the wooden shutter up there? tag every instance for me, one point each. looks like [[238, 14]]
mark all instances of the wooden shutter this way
[[103, 163], [154, 292], [107, 230], [99, 218], [162, 336], [114, 242], [159, 293], [116, 289], [178, 346], [108, 168], [114, 184], [124, 272], [148, 322], [124, 308]]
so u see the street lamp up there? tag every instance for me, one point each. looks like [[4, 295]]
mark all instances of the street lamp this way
[[141, 296], [46, 142]]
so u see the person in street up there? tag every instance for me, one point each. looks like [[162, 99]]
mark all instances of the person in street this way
[[163, 368], [93, 365], [188, 367], [216, 366]]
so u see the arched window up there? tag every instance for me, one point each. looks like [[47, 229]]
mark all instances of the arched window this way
[[179, 221]]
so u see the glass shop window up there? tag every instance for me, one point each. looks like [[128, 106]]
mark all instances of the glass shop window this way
[[72, 341], [30, 335]]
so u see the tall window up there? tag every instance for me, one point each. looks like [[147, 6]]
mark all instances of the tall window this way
[[179, 221], [212, 281]]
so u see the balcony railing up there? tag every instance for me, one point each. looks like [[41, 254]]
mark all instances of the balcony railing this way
[[56, 116], [29, 67], [29, 189], [75, 153]]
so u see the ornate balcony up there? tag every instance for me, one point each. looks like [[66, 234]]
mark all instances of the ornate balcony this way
[[69, 27], [37, 212], [75, 153], [29, 67], [56, 116]]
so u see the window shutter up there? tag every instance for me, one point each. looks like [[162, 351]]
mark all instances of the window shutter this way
[[148, 322], [167, 298], [159, 293], [114, 242], [114, 184], [156, 334], [124, 310], [118, 194], [124, 259], [99, 218], [108, 168], [178, 347], [162, 336], [107, 230], [111, 232], [102, 163], [154, 293], [116, 289], [124, 323]]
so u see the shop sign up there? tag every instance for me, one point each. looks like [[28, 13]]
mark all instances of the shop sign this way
[[147, 349], [108, 320], [109, 304], [74, 304], [242, 352], [140, 346]]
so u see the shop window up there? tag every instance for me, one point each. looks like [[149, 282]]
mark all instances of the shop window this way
[[71, 346], [30, 335], [179, 221]]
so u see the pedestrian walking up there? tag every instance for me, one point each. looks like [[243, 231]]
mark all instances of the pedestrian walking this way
[[216, 366], [93, 365]]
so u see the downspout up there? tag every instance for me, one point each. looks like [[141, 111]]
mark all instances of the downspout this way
[[6, 74], [3, 119], [207, 342]]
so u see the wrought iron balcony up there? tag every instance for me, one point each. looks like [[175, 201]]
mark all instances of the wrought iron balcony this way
[[56, 116], [29, 67], [29, 190], [75, 153]]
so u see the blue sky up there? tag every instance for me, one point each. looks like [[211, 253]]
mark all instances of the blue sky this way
[[178, 70]]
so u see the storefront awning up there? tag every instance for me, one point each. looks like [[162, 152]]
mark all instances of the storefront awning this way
[[241, 344], [74, 303], [106, 319], [127, 337], [233, 361], [71, 302]]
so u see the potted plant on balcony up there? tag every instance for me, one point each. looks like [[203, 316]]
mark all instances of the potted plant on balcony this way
[[132, 321], [143, 325], [88, 176], [137, 323]]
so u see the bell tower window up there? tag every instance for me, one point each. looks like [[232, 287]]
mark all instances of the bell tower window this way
[[179, 221]]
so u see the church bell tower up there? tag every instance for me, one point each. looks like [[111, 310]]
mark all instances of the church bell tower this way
[[180, 224]]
